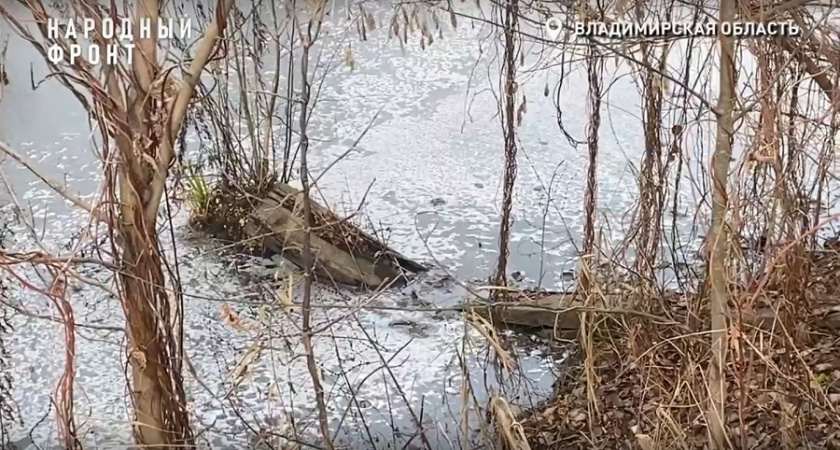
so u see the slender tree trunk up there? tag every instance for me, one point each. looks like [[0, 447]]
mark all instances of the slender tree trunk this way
[[650, 176], [594, 68], [159, 402], [509, 88], [157, 385], [718, 235], [308, 257], [8, 409]]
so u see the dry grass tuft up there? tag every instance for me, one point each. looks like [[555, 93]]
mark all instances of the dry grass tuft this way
[[783, 392]]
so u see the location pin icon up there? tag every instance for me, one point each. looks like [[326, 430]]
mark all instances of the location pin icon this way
[[553, 27]]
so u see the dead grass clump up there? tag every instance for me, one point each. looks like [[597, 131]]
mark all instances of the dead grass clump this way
[[651, 387], [225, 212]]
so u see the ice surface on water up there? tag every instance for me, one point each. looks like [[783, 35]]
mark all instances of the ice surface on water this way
[[425, 364], [434, 140]]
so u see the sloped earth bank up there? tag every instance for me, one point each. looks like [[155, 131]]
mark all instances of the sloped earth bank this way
[[648, 385], [432, 162]]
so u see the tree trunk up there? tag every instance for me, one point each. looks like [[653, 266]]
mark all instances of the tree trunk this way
[[649, 223], [342, 252], [718, 235], [157, 389], [594, 68], [155, 110], [157, 386], [508, 85]]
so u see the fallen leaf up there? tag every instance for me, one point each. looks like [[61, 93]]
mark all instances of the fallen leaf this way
[[231, 318], [645, 442], [242, 368], [824, 367]]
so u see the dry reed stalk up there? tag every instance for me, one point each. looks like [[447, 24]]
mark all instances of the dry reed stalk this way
[[508, 427]]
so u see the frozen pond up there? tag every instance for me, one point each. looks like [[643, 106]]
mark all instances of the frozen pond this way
[[437, 138]]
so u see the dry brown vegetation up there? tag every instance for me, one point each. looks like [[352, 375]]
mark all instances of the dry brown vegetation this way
[[746, 358], [744, 355]]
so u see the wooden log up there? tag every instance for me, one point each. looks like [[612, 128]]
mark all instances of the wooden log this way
[[546, 311], [561, 311], [343, 253]]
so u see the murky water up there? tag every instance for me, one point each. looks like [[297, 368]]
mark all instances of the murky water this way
[[438, 137]]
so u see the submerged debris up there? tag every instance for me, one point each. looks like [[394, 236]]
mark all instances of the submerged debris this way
[[274, 225]]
